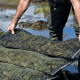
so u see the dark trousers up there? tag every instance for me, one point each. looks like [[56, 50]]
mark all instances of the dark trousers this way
[[76, 26], [59, 11]]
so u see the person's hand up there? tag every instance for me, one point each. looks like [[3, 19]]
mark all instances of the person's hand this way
[[79, 37], [11, 28]]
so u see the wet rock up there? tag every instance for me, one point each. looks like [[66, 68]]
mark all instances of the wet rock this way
[[1, 32], [39, 25], [26, 41]]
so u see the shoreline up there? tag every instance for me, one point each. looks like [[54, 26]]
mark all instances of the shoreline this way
[[14, 5]]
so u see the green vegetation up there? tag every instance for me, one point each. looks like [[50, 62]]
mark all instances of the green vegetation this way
[[43, 8], [11, 1], [1, 32]]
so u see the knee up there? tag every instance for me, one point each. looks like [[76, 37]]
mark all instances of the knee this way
[[76, 4]]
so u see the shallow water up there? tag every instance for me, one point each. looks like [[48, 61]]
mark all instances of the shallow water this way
[[32, 15]]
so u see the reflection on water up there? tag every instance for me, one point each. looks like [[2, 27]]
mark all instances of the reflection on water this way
[[35, 12], [72, 68], [69, 33], [44, 8]]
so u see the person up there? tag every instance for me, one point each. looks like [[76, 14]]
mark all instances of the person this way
[[57, 18], [23, 5]]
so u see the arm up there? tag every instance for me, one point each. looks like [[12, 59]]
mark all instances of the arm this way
[[76, 6], [22, 7]]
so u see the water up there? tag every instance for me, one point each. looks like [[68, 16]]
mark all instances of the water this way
[[32, 15], [6, 16]]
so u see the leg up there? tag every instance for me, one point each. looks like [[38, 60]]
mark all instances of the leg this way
[[75, 25], [57, 19]]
